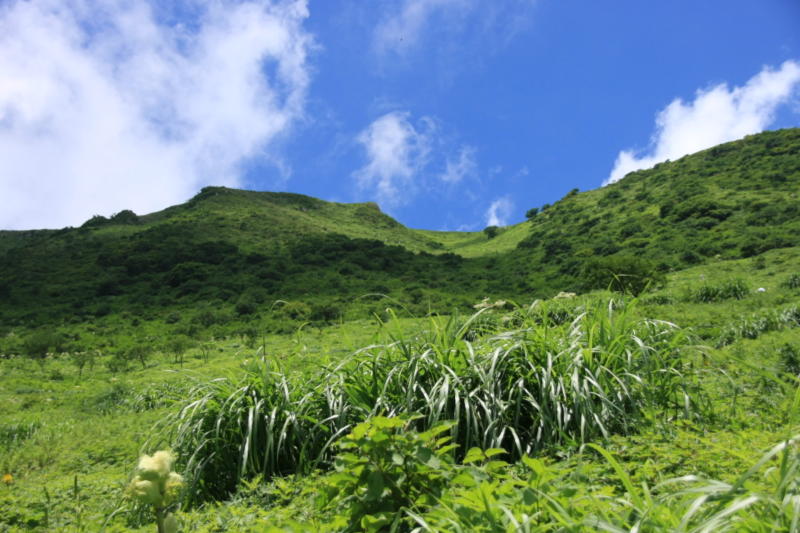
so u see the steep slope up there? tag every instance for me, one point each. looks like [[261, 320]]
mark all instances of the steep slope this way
[[241, 250], [734, 200]]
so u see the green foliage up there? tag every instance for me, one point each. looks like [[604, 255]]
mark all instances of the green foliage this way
[[491, 231], [621, 273], [691, 210], [790, 359], [39, 343], [730, 289], [384, 469], [12, 435], [793, 282], [533, 388], [753, 326]]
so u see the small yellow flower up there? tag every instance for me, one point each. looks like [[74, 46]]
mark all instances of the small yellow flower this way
[[8, 479]]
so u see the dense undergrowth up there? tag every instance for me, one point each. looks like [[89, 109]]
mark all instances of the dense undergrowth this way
[[539, 386], [414, 423]]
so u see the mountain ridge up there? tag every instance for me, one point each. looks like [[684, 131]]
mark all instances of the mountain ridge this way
[[226, 247]]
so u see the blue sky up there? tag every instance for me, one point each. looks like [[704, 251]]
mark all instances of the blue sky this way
[[451, 114]]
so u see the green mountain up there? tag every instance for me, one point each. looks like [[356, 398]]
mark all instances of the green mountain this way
[[236, 252], [734, 200]]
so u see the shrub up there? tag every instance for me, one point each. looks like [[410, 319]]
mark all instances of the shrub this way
[[296, 310], [752, 327], [548, 498], [491, 231], [39, 343]]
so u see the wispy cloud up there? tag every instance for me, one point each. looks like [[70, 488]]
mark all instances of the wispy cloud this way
[[460, 167], [499, 212], [406, 23], [405, 157], [395, 151], [716, 115], [403, 27], [104, 106]]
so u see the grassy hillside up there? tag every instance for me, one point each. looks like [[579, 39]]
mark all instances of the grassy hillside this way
[[476, 243], [238, 252], [734, 200], [225, 247]]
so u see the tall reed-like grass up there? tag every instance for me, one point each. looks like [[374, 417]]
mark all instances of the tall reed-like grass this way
[[539, 385]]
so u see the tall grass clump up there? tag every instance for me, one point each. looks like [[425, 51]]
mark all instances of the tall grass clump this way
[[258, 423], [753, 326], [537, 386], [728, 290]]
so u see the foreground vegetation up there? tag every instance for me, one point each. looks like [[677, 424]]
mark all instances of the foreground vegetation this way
[[575, 414]]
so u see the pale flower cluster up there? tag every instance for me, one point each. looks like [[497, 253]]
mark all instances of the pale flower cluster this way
[[487, 304], [156, 484]]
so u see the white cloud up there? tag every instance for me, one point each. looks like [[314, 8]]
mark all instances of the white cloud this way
[[104, 107], [461, 167], [404, 26], [716, 115], [499, 212], [402, 29], [396, 151]]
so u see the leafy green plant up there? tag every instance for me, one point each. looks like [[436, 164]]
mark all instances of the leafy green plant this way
[[790, 359], [384, 469], [12, 435]]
